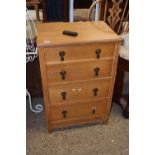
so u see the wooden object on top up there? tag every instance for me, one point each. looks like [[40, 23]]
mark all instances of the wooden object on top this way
[[50, 34], [114, 12]]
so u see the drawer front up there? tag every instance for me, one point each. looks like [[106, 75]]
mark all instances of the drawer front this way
[[79, 70], [67, 53], [80, 90], [81, 109]]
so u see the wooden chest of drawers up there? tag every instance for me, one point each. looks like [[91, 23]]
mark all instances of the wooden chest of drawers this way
[[78, 73]]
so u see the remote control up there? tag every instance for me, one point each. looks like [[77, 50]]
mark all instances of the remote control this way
[[70, 33]]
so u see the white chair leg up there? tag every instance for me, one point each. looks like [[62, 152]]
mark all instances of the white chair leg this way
[[38, 107], [71, 10], [97, 12]]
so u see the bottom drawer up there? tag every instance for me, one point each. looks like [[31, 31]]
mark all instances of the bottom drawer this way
[[78, 110]]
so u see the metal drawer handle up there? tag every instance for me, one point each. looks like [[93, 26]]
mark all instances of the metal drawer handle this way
[[62, 54], [64, 113], [97, 70], [63, 75], [93, 110], [98, 52], [64, 95], [95, 90]]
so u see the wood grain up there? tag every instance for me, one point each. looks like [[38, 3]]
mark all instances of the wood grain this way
[[50, 34], [78, 121], [78, 110], [77, 70], [85, 51], [114, 70], [82, 90], [45, 88]]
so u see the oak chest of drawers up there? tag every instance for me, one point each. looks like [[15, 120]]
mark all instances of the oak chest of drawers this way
[[78, 73]]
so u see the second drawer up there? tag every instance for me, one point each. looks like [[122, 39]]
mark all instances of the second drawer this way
[[91, 89], [79, 70]]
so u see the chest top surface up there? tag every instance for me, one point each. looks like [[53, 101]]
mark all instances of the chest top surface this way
[[50, 34]]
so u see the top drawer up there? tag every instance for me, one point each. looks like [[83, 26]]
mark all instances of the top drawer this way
[[67, 53]]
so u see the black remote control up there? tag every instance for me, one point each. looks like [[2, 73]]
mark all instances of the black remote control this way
[[70, 33]]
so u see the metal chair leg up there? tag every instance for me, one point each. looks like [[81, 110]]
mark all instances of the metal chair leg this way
[[38, 107]]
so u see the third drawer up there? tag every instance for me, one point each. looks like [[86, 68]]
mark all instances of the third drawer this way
[[73, 91]]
